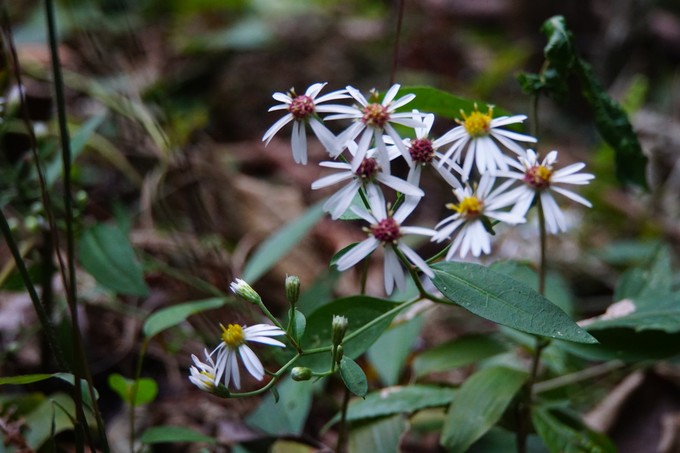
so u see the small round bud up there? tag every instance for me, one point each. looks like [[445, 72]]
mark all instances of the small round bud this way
[[301, 373], [338, 329], [292, 289], [245, 291]]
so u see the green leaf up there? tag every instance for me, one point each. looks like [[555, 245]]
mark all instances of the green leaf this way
[[147, 389], [562, 432], [54, 415], [398, 400], [353, 377], [280, 243], [613, 124], [289, 415], [461, 352], [359, 310], [556, 289], [78, 141], [299, 324], [388, 354], [24, 379], [378, 436], [506, 301], [164, 434], [106, 253], [171, 316], [479, 404], [499, 440], [655, 311], [655, 277], [626, 345], [441, 103]]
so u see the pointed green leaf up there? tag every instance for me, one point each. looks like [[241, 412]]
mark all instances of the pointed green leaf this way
[[463, 351], [171, 316], [653, 311], [562, 432], [479, 404], [299, 325], [107, 254], [441, 103], [166, 434], [389, 353], [280, 243], [288, 416], [506, 301], [379, 436], [24, 379], [353, 377], [398, 400]]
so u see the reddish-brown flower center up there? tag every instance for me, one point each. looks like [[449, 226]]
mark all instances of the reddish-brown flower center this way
[[538, 177], [301, 106], [387, 230], [421, 150], [368, 169], [375, 115]]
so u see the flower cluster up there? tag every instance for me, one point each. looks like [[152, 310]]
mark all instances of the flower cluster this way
[[493, 177]]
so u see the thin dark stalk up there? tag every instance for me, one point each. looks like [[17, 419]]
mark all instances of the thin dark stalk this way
[[80, 368], [44, 319], [135, 389], [46, 292], [341, 446], [395, 54]]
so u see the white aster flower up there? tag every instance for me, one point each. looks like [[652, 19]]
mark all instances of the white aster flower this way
[[202, 375], [540, 178], [302, 110], [372, 119], [386, 229], [478, 137], [234, 343], [424, 151], [473, 209], [375, 168]]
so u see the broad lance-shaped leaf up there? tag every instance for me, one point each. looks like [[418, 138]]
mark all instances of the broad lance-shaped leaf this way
[[441, 103], [280, 243], [171, 316], [353, 377], [506, 301], [563, 432], [478, 405], [161, 434], [107, 254], [397, 400]]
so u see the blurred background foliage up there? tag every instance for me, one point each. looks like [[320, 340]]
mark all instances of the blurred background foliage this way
[[167, 101]]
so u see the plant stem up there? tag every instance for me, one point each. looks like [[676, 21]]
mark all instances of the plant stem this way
[[341, 446], [133, 393], [44, 319], [80, 367], [581, 375], [395, 54]]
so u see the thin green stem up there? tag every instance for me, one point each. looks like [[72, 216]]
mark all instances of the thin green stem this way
[[341, 445], [278, 324], [579, 376], [411, 271], [275, 377]]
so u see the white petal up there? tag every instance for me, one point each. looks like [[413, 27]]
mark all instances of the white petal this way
[[251, 362], [267, 137], [282, 97], [514, 136], [314, 89], [505, 120], [361, 251], [554, 218], [573, 196], [402, 101], [232, 369], [416, 259], [356, 94], [391, 93], [376, 201], [332, 179], [326, 137], [400, 185]]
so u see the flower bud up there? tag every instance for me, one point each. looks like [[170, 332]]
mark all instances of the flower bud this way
[[301, 373], [245, 291], [292, 289], [339, 352], [338, 329]]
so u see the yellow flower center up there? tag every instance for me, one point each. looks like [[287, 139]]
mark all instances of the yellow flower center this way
[[477, 124], [538, 176], [232, 335], [469, 208]]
